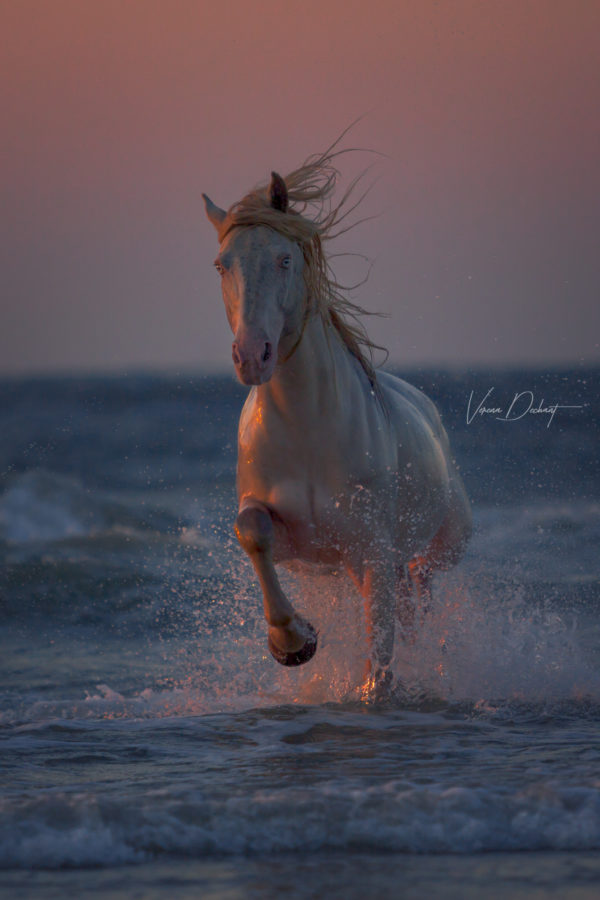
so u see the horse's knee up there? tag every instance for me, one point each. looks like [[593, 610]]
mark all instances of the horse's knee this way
[[254, 530]]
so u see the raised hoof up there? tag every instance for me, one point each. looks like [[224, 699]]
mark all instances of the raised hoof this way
[[298, 657]]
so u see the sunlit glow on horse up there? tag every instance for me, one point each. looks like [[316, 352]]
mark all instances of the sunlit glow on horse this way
[[338, 464]]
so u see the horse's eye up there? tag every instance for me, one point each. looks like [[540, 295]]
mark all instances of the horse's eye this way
[[285, 262], [220, 269]]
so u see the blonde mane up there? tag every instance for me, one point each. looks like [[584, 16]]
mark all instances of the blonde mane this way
[[311, 220]]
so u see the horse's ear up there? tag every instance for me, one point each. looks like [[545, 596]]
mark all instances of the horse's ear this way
[[215, 214], [278, 195]]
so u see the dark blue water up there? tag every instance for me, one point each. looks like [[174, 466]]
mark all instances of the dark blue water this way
[[146, 731]]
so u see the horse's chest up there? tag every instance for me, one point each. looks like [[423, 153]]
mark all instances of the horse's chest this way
[[306, 464], [314, 482], [312, 517]]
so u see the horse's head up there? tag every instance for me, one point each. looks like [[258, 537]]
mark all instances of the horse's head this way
[[262, 280]]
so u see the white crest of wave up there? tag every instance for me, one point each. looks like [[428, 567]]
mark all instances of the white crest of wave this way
[[85, 829], [44, 506]]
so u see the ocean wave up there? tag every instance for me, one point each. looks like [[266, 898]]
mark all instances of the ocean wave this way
[[43, 507], [87, 829], [554, 542], [40, 506]]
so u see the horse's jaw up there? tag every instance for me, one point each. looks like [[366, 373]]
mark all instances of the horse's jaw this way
[[253, 378]]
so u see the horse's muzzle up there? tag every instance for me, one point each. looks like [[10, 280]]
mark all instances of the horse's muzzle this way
[[254, 364]]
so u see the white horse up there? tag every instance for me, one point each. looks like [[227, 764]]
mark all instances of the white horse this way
[[338, 465]]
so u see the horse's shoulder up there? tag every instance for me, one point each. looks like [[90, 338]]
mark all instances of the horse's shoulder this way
[[251, 425]]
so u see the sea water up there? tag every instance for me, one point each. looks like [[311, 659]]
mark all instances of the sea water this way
[[150, 745]]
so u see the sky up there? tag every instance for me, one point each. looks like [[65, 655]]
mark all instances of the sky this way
[[116, 116]]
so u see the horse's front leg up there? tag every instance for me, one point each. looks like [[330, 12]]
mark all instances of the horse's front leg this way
[[292, 640]]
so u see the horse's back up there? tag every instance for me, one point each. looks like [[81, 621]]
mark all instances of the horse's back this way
[[401, 397]]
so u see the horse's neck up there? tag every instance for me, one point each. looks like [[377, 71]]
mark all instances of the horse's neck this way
[[316, 377]]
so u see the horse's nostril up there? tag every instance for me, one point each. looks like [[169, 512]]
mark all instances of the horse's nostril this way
[[267, 353], [235, 355]]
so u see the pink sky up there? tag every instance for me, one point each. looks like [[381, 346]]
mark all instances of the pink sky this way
[[117, 115]]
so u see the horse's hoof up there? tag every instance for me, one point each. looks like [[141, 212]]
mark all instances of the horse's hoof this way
[[378, 688], [298, 657]]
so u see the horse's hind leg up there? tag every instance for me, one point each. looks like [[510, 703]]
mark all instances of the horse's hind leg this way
[[421, 576], [413, 596], [292, 640], [405, 605], [376, 583]]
